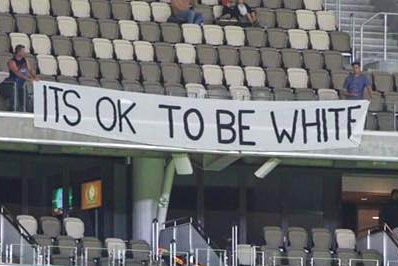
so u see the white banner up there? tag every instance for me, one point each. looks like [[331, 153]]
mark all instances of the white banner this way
[[201, 124]]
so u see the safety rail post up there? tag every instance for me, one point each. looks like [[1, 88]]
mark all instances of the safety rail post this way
[[172, 253], [155, 239], [385, 36], [385, 244], [234, 245], [1, 234], [368, 240], [339, 14], [353, 38]]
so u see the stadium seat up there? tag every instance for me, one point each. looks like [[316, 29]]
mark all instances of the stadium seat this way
[[321, 258], [25, 23], [80, 8], [298, 39], [195, 90], [109, 29], [291, 58], [327, 95], [273, 235], [40, 7], [383, 81], [103, 48], [150, 72], [121, 10], [218, 92], [326, 20], [20, 6], [266, 17], [111, 84], [262, 94], [88, 27], [270, 57], [43, 240], [313, 59], [276, 78], [47, 25], [61, 8], [67, 251], [4, 58], [20, 38], [277, 38], [255, 77], [234, 76], [47, 65], [254, 3], [171, 32], [241, 93], [314, 5], [213, 34], [50, 226], [297, 256], [207, 13], [160, 11], [41, 44], [371, 121], [286, 19], [321, 238], [213, 74], [256, 37], [150, 31], [129, 30], [391, 101], [293, 4], [298, 78], [100, 9], [191, 73], [209, 2], [234, 35], [217, 11], [143, 51], [83, 47], [207, 54], [345, 239], [192, 33], [346, 256], [74, 227], [92, 247], [67, 26], [165, 52], [141, 11], [273, 4], [109, 68], [338, 78], [306, 19], [228, 55], [130, 70], [29, 223], [319, 79], [249, 56], [319, 40], [333, 60], [385, 121], [67, 66], [171, 73], [133, 86], [186, 53], [153, 88], [176, 90], [7, 23], [5, 44], [5, 6]]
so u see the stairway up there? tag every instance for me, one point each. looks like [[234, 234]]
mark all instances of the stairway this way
[[373, 31]]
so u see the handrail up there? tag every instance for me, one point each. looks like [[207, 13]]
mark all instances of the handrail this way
[[385, 14]]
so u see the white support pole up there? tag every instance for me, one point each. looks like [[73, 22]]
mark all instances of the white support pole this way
[[385, 36]]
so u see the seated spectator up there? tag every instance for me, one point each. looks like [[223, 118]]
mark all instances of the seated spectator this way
[[228, 10], [244, 11], [356, 84], [182, 10], [20, 72]]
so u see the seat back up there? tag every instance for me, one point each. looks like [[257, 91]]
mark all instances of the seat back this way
[[345, 239], [273, 236], [50, 226], [29, 223], [74, 227]]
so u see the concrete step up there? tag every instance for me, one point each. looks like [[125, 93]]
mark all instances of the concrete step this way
[[377, 42], [352, 8], [369, 28]]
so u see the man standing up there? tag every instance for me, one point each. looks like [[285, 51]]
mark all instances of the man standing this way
[[356, 84], [182, 11]]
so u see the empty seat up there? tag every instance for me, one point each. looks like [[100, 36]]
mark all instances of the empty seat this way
[[340, 41], [80, 8], [109, 29], [74, 227], [277, 38], [5, 43], [192, 33], [165, 52], [249, 56], [298, 39], [68, 66], [150, 72], [141, 11], [233, 75], [153, 88], [46, 25], [150, 31], [133, 86], [103, 48], [321, 258], [109, 69], [186, 53], [256, 37], [43, 240], [67, 26], [129, 30], [338, 78], [60, 7], [301, 95], [346, 257], [171, 32], [326, 20], [143, 51], [100, 9], [313, 4], [234, 35], [319, 79], [321, 238], [121, 10], [20, 6], [176, 90], [171, 73], [313, 59], [5, 6], [306, 19], [228, 55], [160, 11], [7, 23], [89, 68], [28, 223], [195, 90], [47, 65], [376, 103], [218, 92], [273, 236], [273, 4], [25, 23], [266, 17], [345, 239], [93, 249], [333, 60], [293, 4], [41, 44], [67, 80], [67, 251], [255, 76], [191, 73], [61, 45], [319, 40], [276, 78], [213, 34], [298, 78], [383, 81], [207, 54], [270, 57], [111, 84], [262, 94], [130, 70], [20, 39], [286, 19], [212, 74], [327, 95], [241, 93], [83, 47], [88, 27], [291, 58]]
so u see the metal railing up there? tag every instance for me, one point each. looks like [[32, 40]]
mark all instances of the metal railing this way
[[337, 9], [385, 33]]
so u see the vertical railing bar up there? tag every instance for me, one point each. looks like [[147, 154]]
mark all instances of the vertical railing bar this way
[[385, 36]]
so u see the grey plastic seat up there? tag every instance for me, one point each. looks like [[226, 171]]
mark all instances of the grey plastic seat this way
[[274, 4], [218, 92], [61, 7], [88, 67], [92, 248], [109, 29], [153, 88], [291, 58], [207, 13], [91, 82], [88, 27], [256, 37], [28, 223], [25, 23], [313, 59], [249, 56], [130, 70], [383, 81], [371, 121], [175, 90], [254, 3], [61, 45], [228, 55], [385, 121], [171, 32], [46, 25], [270, 57], [391, 101], [67, 80], [321, 238], [298, 238], [321, 258], [207, 54], [346, 255], [171, 73], [273, 236], [67, 251], [304, 95], [297, 257], [266, 17], [340, 41], [345, 239], [7, 23], [4, 58], [293, 4], [109, 69], [277, 38], [150, 71], [327, 95], [376, 103], [83, 47], [111, 84], [276, 78], [133, 86], [333, 60], [5, 44], [319, 79], [43, 240], [191, 73], [150, 31], [165, 52], [338, 78], [263, 94], [286, 19], [121, 10], [100, 9]]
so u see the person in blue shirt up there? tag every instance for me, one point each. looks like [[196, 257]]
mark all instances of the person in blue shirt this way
[[356, 84]]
